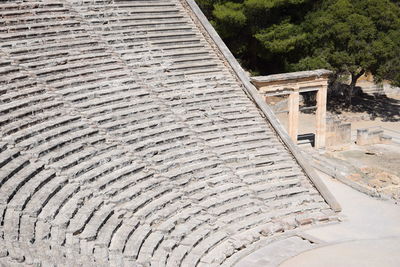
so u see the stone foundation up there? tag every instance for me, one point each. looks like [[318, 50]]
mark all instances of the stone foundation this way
[[337, 133], [370, 137]]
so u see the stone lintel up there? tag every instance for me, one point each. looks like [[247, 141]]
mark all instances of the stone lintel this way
[[304, 86], [292, 77], [292, 84]]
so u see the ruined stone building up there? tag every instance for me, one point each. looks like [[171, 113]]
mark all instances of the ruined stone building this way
[[130, 135]]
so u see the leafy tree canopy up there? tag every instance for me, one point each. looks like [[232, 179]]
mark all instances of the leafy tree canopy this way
[[346, 36]]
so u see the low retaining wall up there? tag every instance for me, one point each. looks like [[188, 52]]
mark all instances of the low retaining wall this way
[[370, 137], [337, 133]]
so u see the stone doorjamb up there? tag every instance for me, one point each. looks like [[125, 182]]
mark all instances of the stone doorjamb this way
[[293, 84]]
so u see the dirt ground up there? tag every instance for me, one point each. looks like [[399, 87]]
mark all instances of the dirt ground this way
[[367, 112], [376, 166]]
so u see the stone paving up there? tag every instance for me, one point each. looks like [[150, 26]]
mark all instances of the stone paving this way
[[366, 253], [126, 140], [273, 254], [369, 235]]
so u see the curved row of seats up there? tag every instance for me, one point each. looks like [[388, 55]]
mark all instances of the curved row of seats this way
[[126, 140]]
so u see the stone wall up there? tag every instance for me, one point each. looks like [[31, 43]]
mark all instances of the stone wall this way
[[370, 137], [337, 133]]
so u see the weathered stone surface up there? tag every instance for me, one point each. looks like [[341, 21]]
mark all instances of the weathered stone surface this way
[[126, 140], [292, 75]]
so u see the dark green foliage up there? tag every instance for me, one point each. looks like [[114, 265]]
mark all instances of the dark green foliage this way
[[346, 36]]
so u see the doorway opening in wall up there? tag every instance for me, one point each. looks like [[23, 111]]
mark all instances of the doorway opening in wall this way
[[307, 118], [307, 114], [280, 106]]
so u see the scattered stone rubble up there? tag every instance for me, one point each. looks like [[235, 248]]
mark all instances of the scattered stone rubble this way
[[125, 140], [372, 170]]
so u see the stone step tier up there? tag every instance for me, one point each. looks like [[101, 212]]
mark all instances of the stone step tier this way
[[126, 139]]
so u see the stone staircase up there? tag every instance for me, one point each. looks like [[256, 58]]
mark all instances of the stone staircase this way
[[127, 141]]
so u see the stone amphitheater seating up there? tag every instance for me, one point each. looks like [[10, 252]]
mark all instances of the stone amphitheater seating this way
[[127, 140]]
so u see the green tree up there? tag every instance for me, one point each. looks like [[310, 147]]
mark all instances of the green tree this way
[[347, 36], [355, 37], [239, 21]]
